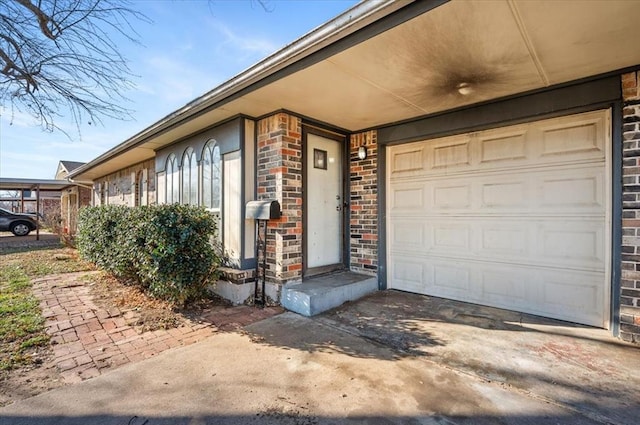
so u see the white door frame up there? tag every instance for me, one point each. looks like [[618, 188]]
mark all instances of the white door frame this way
[[342, 203]]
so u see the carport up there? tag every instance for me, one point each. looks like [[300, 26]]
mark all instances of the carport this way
[[34, 185]]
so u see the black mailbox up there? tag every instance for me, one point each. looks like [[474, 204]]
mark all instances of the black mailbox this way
[[262, 210]]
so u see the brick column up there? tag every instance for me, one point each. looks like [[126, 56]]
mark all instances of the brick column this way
[[280, 177], [364, 204], [630, 291]]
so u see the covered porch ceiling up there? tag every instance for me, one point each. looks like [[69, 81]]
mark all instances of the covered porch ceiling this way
[[456, 54]]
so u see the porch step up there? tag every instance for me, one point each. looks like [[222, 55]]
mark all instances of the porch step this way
[[325, 292]]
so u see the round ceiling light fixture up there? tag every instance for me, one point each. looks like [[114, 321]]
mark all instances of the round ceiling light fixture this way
[[464, 88]]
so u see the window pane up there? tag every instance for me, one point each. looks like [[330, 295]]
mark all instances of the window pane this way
[[206, 177], [186, 168], [175, 185], [193, 180], [216, 179], [170, 177], [142, 189]]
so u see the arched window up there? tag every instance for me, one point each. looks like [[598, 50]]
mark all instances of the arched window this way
[[189, 178], [211, 176], [102, 194], [141, 189], [172, 180]]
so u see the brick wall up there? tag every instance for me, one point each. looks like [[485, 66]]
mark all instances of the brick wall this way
[[630, 290], [50, 208], [364, 204], [120, 187], [84, 196], [280, 177]]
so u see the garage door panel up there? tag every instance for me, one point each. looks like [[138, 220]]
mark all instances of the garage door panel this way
[[566, 296], [456, 194], [574, 189], [501, 194], [582, 138], [504, 240], [515, 217], [547, 143], [408, 234], [577, 244], [511, 146], [409, 274], [452, 277], [574, 296], [451, 236], [407, 198], [537, 241], [451, 155], [407, 162], [505, 287]]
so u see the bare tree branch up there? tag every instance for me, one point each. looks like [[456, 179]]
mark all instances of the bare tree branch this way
[[61, 57]]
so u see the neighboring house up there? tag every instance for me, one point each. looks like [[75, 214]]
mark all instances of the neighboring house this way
[[59, 199], [74, 197], [25, 201], [480, 151], [34, 195]]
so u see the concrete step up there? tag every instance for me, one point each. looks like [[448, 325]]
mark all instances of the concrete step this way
[[322, 293]]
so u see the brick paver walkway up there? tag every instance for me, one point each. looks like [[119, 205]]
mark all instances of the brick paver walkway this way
[[88, 340]]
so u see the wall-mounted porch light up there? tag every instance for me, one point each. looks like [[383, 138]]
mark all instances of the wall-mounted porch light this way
[[362, 152]]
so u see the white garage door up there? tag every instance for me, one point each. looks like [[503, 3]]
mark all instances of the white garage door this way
[[515, 217]]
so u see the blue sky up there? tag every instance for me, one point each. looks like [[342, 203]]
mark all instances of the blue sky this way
[[191, 47]]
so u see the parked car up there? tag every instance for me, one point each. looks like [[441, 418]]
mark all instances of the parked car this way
[[17, 223], [33, 214]]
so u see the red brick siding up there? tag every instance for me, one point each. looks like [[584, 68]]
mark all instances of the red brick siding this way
[[50, 207], [280, 177], [364, 204], [121, 189], [85, 196], [630, 284]]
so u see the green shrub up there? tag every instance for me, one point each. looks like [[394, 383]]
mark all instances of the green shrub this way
[[163, 248]]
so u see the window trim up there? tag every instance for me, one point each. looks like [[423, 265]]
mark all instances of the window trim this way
[[172, 180], [209, 153], [189, 177]]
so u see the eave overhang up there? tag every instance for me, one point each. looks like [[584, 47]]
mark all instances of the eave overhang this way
[[384, 62]]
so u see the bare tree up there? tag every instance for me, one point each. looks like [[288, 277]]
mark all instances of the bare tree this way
[[61, 57]]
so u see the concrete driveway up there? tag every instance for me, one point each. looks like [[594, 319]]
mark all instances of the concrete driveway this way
[[388, 359]]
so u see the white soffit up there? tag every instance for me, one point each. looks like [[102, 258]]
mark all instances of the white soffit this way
[[574, 39], [496, 47], [125, 159]]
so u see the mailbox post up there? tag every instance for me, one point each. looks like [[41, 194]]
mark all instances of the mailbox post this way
[[261, 212]]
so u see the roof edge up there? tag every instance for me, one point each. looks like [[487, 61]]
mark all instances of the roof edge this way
[[350, 21]]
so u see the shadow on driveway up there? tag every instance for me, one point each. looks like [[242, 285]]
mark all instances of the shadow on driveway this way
[[579, 367]]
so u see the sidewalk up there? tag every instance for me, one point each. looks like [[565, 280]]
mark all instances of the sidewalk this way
[[89, 340]]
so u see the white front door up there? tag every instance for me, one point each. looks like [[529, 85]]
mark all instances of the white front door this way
[[324, 202]]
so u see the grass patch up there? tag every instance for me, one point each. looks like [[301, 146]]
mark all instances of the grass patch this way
[[21, 322]]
